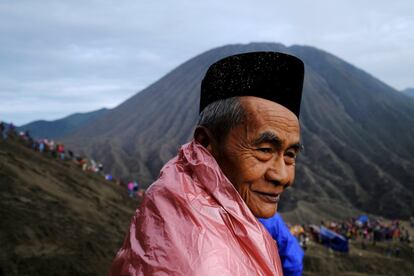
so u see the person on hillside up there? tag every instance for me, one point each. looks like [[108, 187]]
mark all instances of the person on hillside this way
[[45, 144], [41, 146], [61, 151], [51, 145], [29, 141], [93, 167], [2, 127], [71, 155], [26, 135], [136, 187], [130, 189], [52, 148], [201, 216], [84, 164], [11, 132]]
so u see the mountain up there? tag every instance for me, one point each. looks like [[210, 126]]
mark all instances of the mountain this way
[[58, 128], [409, 91], [357, 133], [55, 218]]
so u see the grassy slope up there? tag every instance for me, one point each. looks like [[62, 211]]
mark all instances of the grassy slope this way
[[55, 218], [370, 261]]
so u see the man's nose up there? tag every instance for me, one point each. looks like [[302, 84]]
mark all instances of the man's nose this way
[[277, 173]]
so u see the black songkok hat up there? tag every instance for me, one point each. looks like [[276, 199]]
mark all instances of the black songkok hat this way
[[270, 75]]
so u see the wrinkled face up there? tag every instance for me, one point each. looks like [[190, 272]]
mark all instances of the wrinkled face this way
[[258, 156]]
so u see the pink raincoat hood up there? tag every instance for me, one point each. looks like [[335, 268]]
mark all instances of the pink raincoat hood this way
[[193, 222]]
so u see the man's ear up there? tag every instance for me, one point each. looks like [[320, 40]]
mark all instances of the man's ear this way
[[204, 136]]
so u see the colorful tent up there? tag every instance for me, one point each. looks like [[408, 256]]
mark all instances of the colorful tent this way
[[363, 219], [333, 240]]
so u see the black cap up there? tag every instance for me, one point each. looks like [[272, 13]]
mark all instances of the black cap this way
[[273, 76]]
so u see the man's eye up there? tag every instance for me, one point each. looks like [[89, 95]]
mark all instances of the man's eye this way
[[265, 150], [291, 154]]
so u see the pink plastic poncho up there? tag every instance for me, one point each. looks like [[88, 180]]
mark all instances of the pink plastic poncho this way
[[193, 222]]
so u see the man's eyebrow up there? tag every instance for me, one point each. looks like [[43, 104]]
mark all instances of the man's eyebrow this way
[[268, 137], [272, 138], [298, 147]]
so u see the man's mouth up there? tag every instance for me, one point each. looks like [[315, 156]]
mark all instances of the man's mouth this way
[[269, 197]]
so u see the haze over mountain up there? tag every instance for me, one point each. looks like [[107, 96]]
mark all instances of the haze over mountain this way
[[357, 133], [409, 91], [58, 128]]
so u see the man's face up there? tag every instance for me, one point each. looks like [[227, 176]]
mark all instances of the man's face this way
[[258, 156]]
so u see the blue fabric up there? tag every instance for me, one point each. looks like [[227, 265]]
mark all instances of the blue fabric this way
[[290, 252], [333, 240], [363, 218]]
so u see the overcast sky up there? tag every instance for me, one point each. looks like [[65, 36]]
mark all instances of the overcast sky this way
[[61, 57]]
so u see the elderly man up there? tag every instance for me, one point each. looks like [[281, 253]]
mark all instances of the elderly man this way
[[200, 216]]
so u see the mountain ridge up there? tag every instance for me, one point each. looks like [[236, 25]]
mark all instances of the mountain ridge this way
[[349, 123], [58, 128], [409, 92]]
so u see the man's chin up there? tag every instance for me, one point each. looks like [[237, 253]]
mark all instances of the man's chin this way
[[266, 212]]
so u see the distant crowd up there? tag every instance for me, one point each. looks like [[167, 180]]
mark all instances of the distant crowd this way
[[59, 152], [371, 230], [362, 229]]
